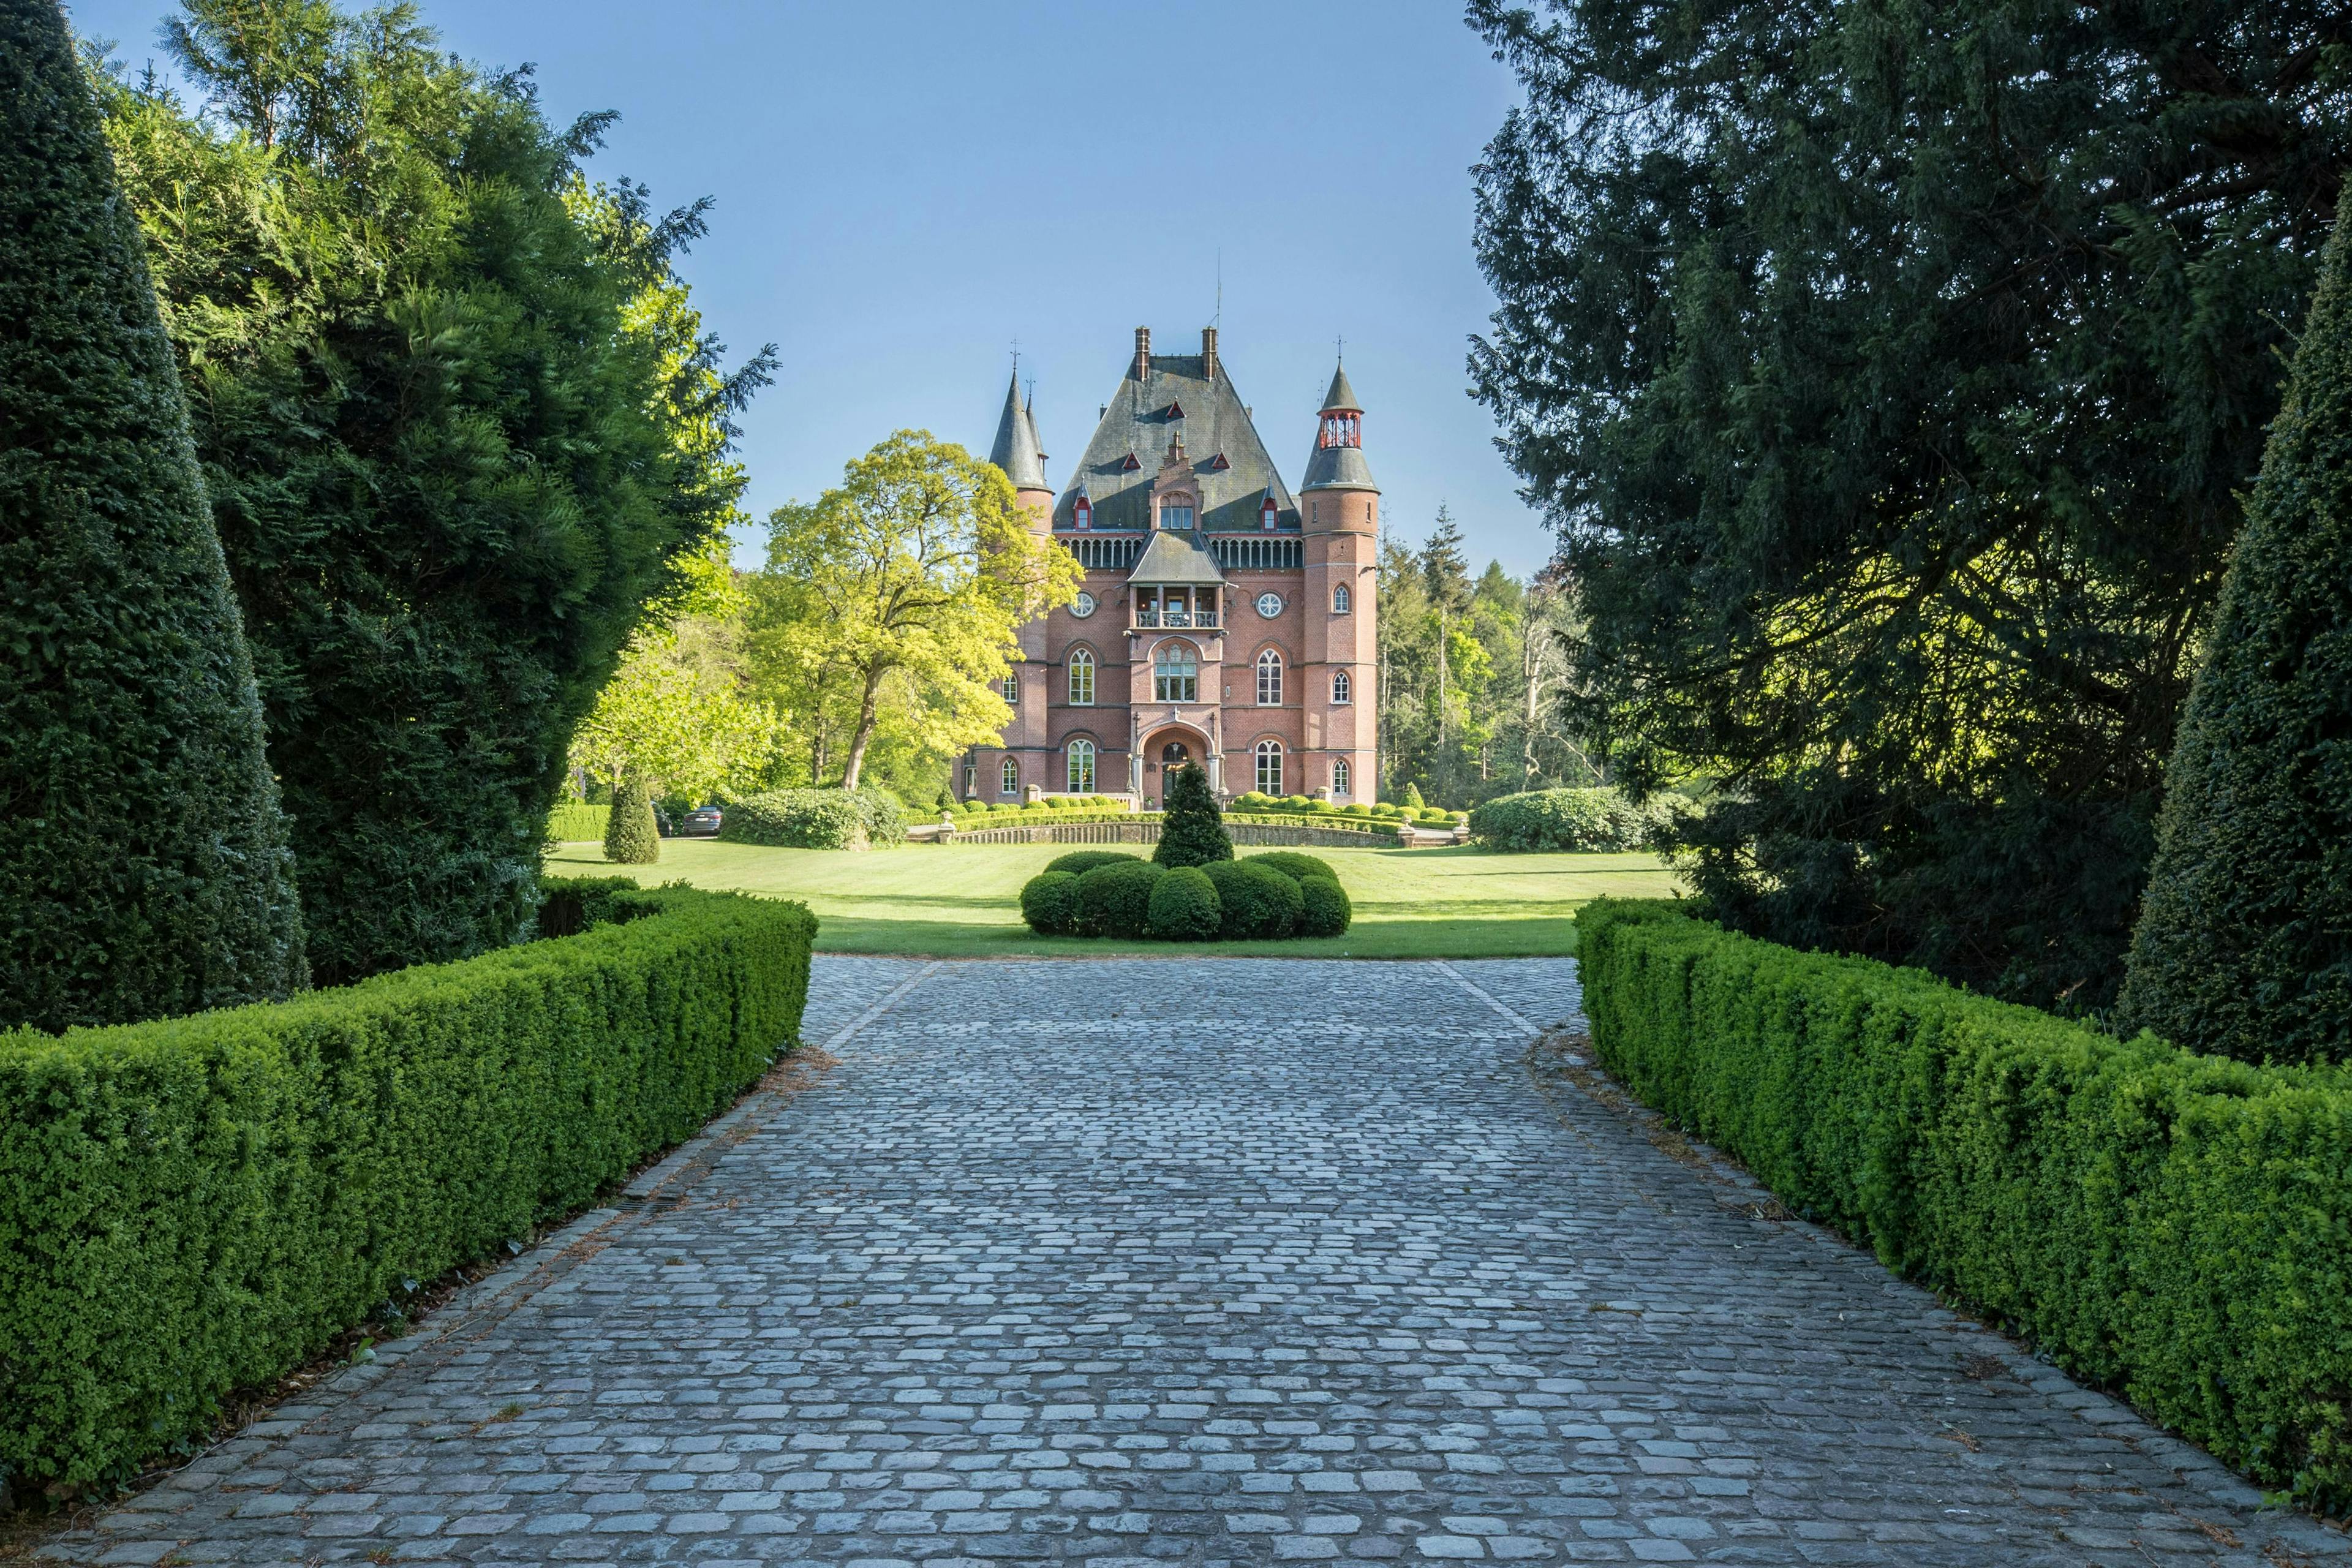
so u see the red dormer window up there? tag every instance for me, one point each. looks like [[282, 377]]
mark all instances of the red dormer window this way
[[1082, 514], [1267, 514], [1218, 463], [1131, 464], [1175, 411]]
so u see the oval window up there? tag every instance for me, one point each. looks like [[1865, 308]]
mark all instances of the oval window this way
[[1083, 606], [1269, 604]]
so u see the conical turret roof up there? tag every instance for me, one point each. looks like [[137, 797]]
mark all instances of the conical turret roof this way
[[1341, 398], [1017, 446]]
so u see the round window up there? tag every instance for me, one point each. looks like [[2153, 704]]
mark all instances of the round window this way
[[1083, 606], [1269, 604]]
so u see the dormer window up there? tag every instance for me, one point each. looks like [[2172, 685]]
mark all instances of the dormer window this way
[[1177, 513], [1218, 463], [1175, 411], [1082, 514], [1132, 463], [1268, 514]]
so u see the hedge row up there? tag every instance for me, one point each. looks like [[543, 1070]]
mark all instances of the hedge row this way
[[575, 821], [1569, 820], [816, 819], [1108, 893], [2175, 1226], [200, 1203]]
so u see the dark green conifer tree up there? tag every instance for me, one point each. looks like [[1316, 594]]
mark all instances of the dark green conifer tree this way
[[144, 871], [2245, 943], [1191, 830], [631, 837]]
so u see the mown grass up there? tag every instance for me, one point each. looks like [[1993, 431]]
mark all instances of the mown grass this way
[[962, 900]]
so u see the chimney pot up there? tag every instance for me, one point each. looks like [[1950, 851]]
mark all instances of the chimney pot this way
[[1208, 353], [1142, 353]]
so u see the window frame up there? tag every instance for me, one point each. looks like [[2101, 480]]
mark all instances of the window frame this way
[[1269, 678], [1342, 602], [1080, 782], [1186, 659], [1081, 661], [1269, 781], [1012, 689], [1341, 778], [1343, 689], [1008, 777]]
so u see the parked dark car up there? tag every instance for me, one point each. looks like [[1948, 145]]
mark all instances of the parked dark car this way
[[700, 823]]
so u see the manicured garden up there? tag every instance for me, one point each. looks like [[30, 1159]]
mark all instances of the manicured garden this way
[[964, 901]]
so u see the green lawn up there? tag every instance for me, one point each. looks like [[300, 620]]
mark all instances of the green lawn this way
[[962, 900]]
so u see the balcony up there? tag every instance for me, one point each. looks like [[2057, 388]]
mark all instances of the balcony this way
[[1176, 616]]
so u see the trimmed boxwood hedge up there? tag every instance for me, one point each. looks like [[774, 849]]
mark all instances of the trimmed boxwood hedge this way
[[1294, 865], [1079, 862], [862, 818], [197, 1204], [1258, 901], [1049, 902], [1326, 910], [1116, 899], [575, 821], [2175, 1226], [1184, 906], [1572, 820]]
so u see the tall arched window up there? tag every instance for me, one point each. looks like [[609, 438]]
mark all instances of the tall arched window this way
[[1269, 767], [1082, 678], [1339, 776], [1175, 673], [970, 780], [1082, 767], [1013, 688], [1340, 601], [1269, 679], [1339, 686], [1009, 777]]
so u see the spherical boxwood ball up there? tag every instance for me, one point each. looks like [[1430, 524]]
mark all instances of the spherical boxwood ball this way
[[1049, 902], [1294, 865], [1259, 903], [1079, 862], [1116, 899], [1326, 912], [1184, 906]]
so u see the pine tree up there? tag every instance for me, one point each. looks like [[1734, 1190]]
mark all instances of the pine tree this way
[[2245, 943], [631, 838], [1193, 831], [145, 870]]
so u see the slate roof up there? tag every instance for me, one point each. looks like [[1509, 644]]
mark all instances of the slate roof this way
[[1137, 422], [1176, 556], [1338, 469], [1341, 398], [1016, 449]]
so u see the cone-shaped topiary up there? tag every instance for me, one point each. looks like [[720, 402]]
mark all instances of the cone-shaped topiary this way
[[2245, 941], [631, 838], [145, 871], [1193, 831]]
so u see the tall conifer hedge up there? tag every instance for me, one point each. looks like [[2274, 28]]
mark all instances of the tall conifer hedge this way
[[144, 871], [2244, 944]]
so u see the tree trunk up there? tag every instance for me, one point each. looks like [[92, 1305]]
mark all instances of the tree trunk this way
[[1530, 668], [866, 709]]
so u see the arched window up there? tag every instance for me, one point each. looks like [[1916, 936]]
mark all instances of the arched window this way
[[1082, 678], [1340, 604], [970, 780], [1177, 512], [1013, 688], [1339, 776], [1339, 686], [1175, 673], [1267, 514], [1082, 512], [1269, 679], [1009, 778], [1269, 767], [1082, 767]]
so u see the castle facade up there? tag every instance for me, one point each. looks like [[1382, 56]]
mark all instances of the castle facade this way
[[1225, 620]]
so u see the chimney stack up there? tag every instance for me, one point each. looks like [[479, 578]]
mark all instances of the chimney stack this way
[[1143, 353], [1208, 353]]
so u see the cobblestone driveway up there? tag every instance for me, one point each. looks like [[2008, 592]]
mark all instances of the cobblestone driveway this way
[[1208, 1262]]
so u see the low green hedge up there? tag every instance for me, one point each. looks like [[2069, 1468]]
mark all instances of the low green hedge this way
[[1116, 899], [1554, 820], [1257, 903], [198, 1204], [815, 819], [574, 823], [1049, 902], [1261, 897], [1184, 906], [2174, 1226]]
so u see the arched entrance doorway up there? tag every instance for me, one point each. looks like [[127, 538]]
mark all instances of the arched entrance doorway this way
[[1171, 747]]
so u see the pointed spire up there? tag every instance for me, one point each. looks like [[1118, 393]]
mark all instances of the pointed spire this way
[[1029, 416], [1016, 448], [1341, 398]]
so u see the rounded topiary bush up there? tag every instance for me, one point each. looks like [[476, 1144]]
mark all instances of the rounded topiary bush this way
[[1116, 901], [1294, 865], [1184, 907], [1258, 901], [1079, 862], [1049, 903], [1326, 910]]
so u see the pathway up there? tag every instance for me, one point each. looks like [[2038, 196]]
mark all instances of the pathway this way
[[1224, 1262]]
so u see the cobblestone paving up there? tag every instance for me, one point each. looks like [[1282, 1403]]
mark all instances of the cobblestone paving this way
[[1226, 1262]]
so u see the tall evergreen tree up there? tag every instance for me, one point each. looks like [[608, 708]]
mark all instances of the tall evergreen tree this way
[[1890, 374], [2245, 943], [631, 838], [460, 425], [144, 871]]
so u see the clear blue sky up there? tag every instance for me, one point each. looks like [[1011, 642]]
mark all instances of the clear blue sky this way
[[903, 190]]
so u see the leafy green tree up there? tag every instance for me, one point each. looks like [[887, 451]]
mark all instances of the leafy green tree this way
[[2245, 943], [1889, 375], [144, 871], [458, 426], [1192, 828], [891, 603], [631, 836]]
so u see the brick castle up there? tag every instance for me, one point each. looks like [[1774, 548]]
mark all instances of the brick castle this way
[[1224, 620]]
